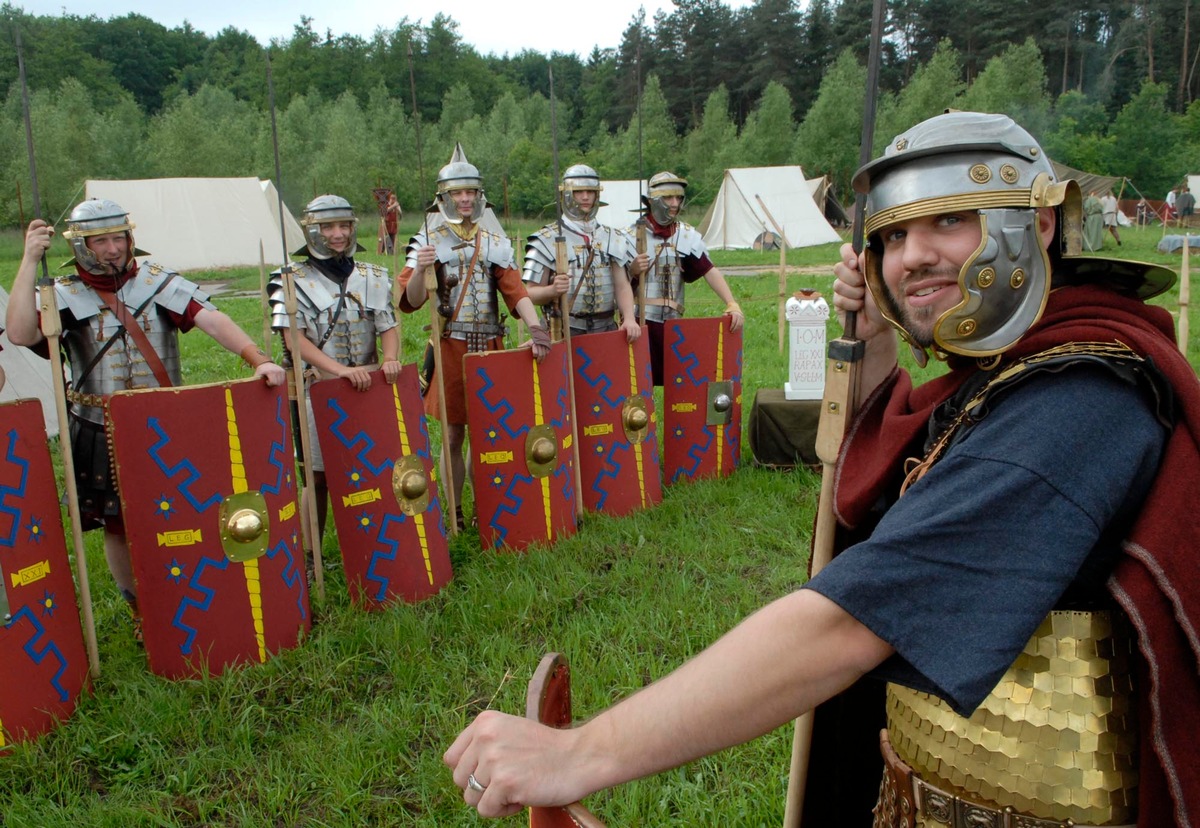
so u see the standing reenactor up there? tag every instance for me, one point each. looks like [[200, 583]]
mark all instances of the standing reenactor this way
[[342, 307], [473, 266], [597, 282], [121, 321], [675, 256]]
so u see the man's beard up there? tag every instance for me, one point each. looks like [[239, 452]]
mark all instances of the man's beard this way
[[920, 322]]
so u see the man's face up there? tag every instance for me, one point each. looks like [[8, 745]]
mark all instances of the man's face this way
[[111, 250], [922, 258], [464, 202], [586, 199], [338, 235], [673, 203]]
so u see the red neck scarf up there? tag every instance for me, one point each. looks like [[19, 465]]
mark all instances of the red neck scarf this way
[[1157, 580], [107, 283]]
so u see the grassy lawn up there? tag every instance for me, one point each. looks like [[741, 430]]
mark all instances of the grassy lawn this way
[[349, 728]]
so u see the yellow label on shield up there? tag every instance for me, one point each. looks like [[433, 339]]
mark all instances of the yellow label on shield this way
[[287, 511], [180, 537], [359, 498], [31, 574], [493, 458], [598, 430], [684, 408]]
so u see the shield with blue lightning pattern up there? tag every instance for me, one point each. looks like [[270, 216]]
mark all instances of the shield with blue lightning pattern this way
[[43, 662], [702, 398], [382, 488], [519, 422], [618, 431], [208, 493]]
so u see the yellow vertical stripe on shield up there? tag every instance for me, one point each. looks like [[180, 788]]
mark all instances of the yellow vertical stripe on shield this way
[[720, 378], [419, 517], [637, 447], [237, 470], [2, 742], [538, 419]]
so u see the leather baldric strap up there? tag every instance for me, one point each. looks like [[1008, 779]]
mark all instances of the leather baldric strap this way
[[87, 369], [129, 323], [470, 276]]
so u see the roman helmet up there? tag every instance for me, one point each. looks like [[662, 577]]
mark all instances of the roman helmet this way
[[986, 163], [579, 177], [97, 217], [661, 185], [326, 209], [459, 174]]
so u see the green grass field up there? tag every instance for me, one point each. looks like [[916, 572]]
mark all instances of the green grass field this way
[[349, 728]]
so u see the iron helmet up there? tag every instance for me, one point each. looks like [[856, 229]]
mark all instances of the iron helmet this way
[[580, 177], [989, 164], [96, 217], [459, 174], [326, 209], [661, 185]]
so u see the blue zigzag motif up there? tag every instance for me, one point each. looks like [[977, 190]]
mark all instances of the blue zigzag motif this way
[[690, 362], [291, 575], [360, 437], [601, 381], [504, 509], [610, 470], [696, 451], [203, 605], [17, 492], [185, 465], [275, 453], [501, 405], [50, 648], [392, 549]]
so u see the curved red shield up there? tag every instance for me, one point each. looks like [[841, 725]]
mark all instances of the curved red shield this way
[[373, 443], [618, 429], [211, 597], [519, 410], [42, 657], [702, 398]]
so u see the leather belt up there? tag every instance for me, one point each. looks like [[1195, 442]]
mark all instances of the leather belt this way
[[88, 400], [670, 303], [908, 801]]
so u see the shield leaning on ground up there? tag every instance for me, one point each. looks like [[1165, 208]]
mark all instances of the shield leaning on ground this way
[[383, 489], [618, 431], [702, 398], [519, 417], [42, 655], [208, 493]]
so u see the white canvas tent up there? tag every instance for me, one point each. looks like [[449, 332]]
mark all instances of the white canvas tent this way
[[28, 375], [737, 219], [622, 202], [203, 223]]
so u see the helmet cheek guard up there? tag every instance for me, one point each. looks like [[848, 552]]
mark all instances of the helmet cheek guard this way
[[580, 178], [459, 174], [665, 184], [322, 210], [97, 217]]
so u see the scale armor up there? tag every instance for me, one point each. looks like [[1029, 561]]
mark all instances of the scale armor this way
[[366, 313], [479, 317], [664, 280], [593, 289], [123, 366]]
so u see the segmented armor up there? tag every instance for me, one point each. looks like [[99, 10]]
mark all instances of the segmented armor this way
[[592, 250], [123, 366], [342, 318], [664, 279], [466, 291]]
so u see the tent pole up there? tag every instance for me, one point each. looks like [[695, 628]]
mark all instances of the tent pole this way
[[1185, 290]]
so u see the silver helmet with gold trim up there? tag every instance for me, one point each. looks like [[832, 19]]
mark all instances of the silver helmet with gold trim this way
[[327, 209], [665, 184], [576, 178], [988, 164], [96, 217], [459, 174]]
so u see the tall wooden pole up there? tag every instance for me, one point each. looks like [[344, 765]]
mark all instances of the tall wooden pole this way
[[51, 325], [837, 410], [1185, 291]]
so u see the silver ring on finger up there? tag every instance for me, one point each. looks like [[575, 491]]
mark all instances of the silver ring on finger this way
[[474, 784]]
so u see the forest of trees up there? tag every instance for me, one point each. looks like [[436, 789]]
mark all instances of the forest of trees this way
[[1108, 87]]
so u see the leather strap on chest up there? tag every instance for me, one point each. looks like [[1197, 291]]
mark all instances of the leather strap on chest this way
[[87, 369], [468, 279], [129, 323]]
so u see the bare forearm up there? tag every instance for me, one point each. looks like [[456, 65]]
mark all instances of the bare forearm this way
[[762, 674], [623, 292], [21, 320], [527, 312], [224, 330], [719, 286]]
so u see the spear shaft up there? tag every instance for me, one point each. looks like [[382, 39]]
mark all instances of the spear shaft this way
[[430, 280], [291, 343], [51, 325], [838, 406]]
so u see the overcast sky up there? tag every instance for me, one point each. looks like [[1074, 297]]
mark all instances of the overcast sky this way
[[488, 25]]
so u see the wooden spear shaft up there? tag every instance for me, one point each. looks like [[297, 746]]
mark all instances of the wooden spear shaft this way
[[439, 367], [264, 304], [51, 325], [1185, 290], [782, 271]]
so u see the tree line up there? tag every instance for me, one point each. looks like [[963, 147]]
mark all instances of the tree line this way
[[698, 89]]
